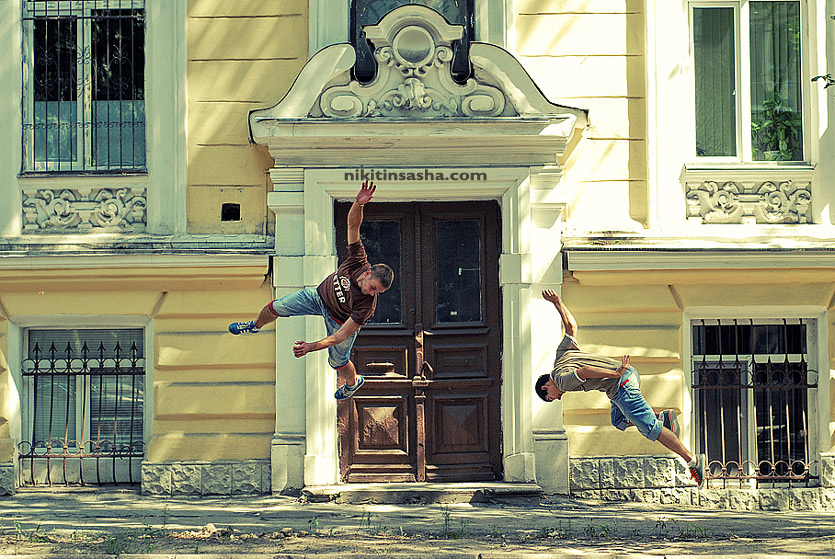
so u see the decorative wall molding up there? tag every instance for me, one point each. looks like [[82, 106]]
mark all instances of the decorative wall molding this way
[[84, 209], [749, 201], [413, 49]]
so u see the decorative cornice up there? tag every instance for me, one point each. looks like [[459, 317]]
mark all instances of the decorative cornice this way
[[588, 259], [133, 261]]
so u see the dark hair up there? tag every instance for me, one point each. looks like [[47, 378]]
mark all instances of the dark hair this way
[[383, 273], [540, 387]]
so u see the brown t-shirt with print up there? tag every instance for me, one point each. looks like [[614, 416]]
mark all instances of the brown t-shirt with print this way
[[340, 292]]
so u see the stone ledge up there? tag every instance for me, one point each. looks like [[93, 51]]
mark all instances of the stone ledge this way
[[627, 472], [797, 499], [227, 477]]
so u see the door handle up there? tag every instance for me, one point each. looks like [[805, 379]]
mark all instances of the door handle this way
[[426, 366]]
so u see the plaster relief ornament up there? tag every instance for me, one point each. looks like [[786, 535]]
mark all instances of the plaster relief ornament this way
[[413, 50], [760, 201]]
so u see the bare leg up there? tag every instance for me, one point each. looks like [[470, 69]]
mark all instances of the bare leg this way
[[669, 440], [265, 317], [348, 374]]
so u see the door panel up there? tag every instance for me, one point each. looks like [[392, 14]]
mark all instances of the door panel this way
[[463, 344], [431, 354]]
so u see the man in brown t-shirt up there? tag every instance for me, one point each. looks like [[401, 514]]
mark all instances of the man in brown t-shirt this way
[[346, 300]]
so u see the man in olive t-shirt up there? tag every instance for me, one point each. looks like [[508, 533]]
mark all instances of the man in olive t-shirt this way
[[346, 300], [576, 371]]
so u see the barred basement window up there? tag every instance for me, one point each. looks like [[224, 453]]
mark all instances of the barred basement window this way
[[83, 406], [84, 85], [753, 387]]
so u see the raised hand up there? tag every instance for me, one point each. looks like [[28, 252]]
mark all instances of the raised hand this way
[[624, 362], [366, 192], [550, 295]]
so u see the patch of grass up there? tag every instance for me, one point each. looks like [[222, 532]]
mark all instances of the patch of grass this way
[[448, 532], [601, 531]]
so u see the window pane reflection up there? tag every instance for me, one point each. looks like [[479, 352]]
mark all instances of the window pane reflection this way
[[458, 283], [381, 239]]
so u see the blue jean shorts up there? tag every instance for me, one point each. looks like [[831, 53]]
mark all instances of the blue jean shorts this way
[[629, 406], [308, 303]]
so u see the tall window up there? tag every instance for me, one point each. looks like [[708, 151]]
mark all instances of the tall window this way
[[370, 12], [753, 386], [84, 394], [84, 86], [747, 65]]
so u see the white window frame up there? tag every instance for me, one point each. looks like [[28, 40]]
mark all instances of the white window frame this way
[[817, 338], [84, 96], [742, 53], [17, 348], [165, 130]]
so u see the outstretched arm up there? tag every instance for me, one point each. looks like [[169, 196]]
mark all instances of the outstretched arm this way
[[355, 213], [301, 348], [567, 318]]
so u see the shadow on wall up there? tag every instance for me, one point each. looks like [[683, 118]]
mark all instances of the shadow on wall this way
[[227, 78]]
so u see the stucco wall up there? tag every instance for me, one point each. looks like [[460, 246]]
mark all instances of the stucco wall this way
[[6, 444], [212, 395], [590, 54], [642, 314], [242, 56]]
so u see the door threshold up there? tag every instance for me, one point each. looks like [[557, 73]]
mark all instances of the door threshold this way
[[425, 493]]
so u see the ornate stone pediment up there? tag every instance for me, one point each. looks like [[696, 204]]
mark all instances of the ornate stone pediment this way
[[414, 112], [413, 48]]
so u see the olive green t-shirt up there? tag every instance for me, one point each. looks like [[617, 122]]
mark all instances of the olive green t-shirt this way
[[570, 358]]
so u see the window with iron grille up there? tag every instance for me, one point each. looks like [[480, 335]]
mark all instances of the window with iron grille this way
[[84, 86], [83, 395], [754, 391]]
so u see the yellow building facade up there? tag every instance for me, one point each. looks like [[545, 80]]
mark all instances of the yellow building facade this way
[[580, 127]]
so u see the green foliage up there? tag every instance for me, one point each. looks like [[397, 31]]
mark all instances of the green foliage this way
[[776, 130]]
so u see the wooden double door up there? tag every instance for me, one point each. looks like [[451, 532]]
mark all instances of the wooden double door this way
[[431, 355]]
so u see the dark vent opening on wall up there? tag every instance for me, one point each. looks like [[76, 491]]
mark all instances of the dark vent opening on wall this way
[[230, 212]]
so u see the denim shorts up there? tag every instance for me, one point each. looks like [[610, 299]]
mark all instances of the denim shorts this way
[[629, 405], [308, 303]]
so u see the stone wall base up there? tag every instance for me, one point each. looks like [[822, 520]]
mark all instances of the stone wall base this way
[[665, 481], [7, 479], [227, 477]]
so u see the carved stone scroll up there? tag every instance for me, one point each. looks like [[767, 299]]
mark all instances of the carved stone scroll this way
[[84, 209], [413, 49], [766, 202]]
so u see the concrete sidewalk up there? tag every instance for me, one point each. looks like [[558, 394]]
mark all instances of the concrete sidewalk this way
[[552, 527]]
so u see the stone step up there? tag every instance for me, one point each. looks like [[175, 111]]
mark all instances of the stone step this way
[[425, 493]]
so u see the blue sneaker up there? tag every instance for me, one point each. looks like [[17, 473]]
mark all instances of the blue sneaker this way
[[244, 328], [344, 392]]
